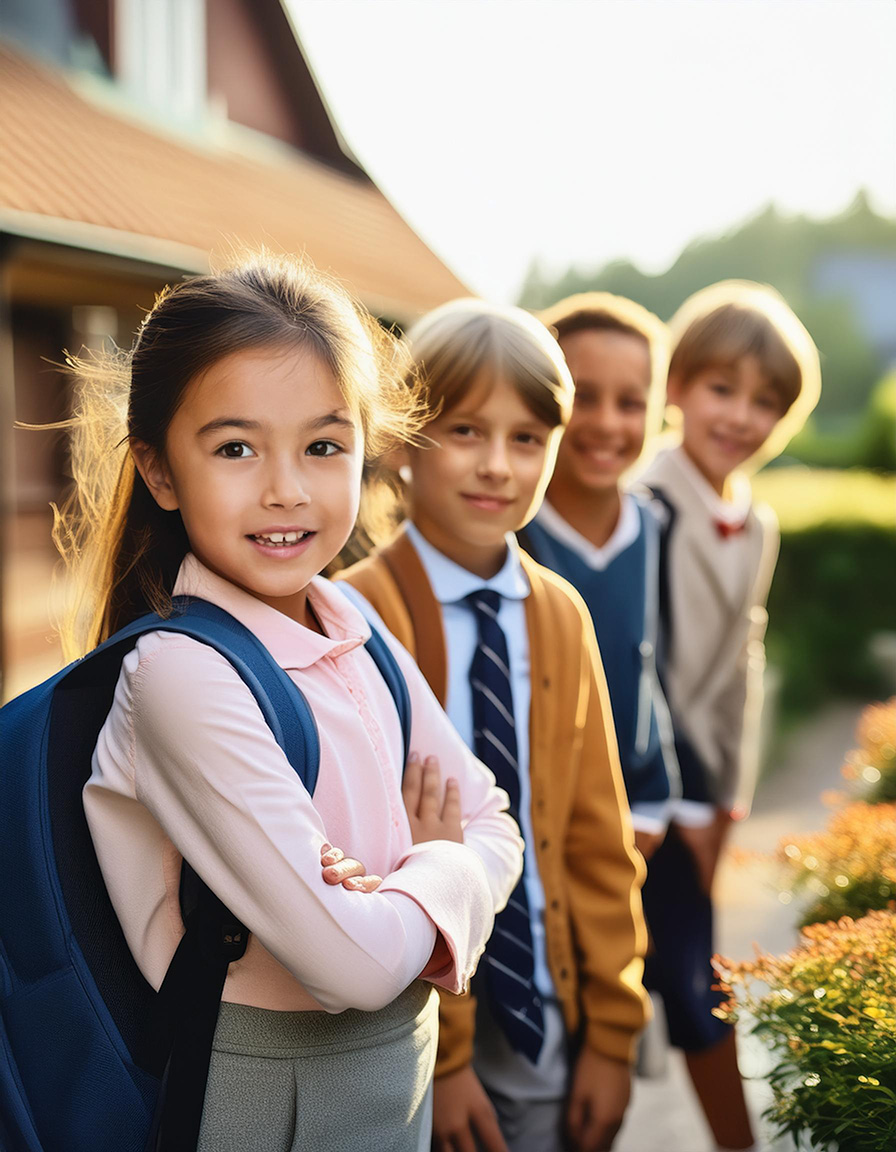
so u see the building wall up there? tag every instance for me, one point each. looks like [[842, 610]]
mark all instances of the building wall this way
[[54, 301], [41, 397], [243, 75]]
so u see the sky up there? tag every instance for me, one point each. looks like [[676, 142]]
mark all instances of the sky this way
[[580, 131]]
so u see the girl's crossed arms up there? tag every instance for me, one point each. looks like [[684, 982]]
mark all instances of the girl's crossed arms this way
[[432, 816]]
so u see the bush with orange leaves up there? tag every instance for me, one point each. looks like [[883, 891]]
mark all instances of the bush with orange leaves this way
[[871, 767], [849, 868], [829, 1010]]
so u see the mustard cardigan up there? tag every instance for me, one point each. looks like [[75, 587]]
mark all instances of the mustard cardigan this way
[[584, 845]]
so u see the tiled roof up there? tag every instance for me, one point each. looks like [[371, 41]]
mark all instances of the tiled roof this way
[[74, 160]]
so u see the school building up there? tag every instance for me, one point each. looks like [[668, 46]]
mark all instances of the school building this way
[[139, 139]]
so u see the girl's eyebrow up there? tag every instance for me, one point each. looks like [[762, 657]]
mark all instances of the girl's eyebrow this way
[[330, 419], [326, 421], [229, 422]]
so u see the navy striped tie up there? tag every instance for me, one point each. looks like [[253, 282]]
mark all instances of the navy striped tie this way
[[509, 963]]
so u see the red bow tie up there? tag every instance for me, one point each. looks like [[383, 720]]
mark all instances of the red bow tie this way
[[725, 529]]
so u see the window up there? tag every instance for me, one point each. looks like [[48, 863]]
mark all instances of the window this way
[[160, 52]]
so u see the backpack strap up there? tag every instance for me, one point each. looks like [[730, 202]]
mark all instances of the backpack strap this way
[[667, 515], [190, 995], [381, 655], [283, 706], [190, 999]]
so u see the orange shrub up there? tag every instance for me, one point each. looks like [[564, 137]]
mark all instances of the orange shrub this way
[[828, 1008], [850, 867], [871, 767]]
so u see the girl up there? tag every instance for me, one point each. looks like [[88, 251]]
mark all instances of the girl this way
[[253, 396], [544, 1054]]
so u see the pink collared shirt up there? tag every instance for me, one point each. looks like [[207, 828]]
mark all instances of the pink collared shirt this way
[[186, 766]]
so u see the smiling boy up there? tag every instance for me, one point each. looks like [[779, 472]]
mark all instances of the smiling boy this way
[[542, 1053], [604, 540], [743, 374]]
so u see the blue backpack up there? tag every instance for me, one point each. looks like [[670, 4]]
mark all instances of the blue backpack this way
[[92, 1059]]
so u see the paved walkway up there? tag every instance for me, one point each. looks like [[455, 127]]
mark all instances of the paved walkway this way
[[664, 1115]]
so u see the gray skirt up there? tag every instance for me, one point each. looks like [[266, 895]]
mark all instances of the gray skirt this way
[[318, 1082]]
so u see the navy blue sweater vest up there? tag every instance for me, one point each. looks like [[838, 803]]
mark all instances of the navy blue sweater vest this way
[[619, 600]]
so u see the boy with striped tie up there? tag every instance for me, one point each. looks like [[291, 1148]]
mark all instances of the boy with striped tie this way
[[542, 1054]]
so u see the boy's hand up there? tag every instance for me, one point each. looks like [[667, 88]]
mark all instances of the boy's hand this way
[[463, 1117], [648, 842], [597, 1102], [705, 845], [341, 869], [432, 816]]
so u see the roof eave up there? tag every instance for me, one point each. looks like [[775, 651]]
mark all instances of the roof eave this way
[[107, 241], [325, 104]]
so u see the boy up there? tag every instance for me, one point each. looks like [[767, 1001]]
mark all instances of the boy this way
[[604, 540], [510, 650], [743, 374]]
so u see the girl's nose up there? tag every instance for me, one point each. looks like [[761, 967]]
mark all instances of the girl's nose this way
[[284, 487]]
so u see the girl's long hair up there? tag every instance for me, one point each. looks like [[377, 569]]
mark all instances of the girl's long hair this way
[[121, 550]]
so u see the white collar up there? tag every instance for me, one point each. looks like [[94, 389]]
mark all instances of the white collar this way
[[626, 532], [452, 583], [733, 511]]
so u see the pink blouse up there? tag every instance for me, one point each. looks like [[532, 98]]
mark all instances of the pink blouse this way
[[186, 766]]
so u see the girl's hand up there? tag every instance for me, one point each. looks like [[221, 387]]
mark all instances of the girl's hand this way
[[341, 869], [432, 815]]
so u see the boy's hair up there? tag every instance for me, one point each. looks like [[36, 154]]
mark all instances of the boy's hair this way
[[124, 550], [721, 324], [469, 342], [604, 312]]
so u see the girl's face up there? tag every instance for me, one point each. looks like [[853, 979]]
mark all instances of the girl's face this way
[[728, 413], [605, 435], [484, 477], [263, 460]]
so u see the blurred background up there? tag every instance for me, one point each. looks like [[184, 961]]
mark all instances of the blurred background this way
[[423, 149], [516, 149]]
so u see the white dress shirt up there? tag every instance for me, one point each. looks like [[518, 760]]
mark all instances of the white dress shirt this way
[[498, 1065]]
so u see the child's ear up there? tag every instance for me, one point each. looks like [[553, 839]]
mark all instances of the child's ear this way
[[155, 475], [399, 461], [673, 390]]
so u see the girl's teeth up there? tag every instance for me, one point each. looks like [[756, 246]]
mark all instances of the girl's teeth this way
[[282, 537]]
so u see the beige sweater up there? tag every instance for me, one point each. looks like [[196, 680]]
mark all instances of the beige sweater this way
[[716, 658]]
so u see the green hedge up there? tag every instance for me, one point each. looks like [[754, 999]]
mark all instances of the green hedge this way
[[867, 441], [833, 590]]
